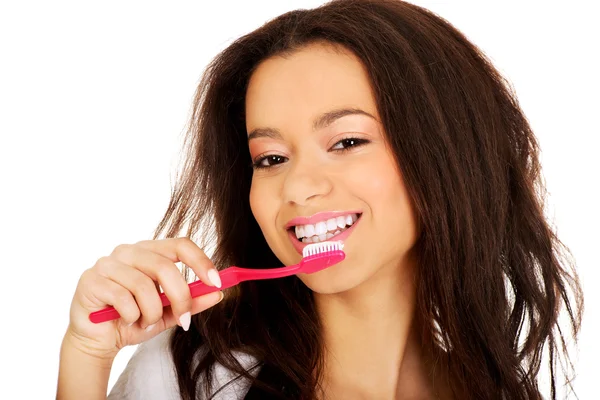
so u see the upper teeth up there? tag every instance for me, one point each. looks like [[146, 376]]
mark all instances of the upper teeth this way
[[325, 229]]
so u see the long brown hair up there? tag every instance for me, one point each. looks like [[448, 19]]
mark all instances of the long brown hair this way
[[493, 275]]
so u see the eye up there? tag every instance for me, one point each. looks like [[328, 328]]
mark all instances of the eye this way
[[268, 161], [348, 143]]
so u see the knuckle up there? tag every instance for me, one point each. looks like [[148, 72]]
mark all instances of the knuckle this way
[[131, 314], [153, 314], [123, 297], [145, 288], [87, 279], [184, 239], [164, 270], [150, 313], [186, 243], [128, 311], [86, 275], [121, 249], [103, 264]]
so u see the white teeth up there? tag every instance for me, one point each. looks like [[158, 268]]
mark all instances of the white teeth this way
[[331, 224], [320, 228], [329, 235], [309, 230], [322, 237]]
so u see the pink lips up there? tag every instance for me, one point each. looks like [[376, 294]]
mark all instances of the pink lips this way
[[299, 246], [321, 216]]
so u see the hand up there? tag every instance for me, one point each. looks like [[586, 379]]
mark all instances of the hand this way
[[129, 281]]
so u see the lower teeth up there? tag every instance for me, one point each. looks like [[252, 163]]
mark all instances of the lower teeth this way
[[322, 237]]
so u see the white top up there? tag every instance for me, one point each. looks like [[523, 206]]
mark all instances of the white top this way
[[150, 374]]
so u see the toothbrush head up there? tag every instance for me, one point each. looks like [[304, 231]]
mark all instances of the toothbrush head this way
[[318, 256]]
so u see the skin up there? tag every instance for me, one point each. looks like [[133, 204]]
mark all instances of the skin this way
[[367, 302], [128, 279]]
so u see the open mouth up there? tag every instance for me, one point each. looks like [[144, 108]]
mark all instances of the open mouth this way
[[324, 230]]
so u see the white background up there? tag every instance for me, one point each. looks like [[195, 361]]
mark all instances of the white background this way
[[94, 98]]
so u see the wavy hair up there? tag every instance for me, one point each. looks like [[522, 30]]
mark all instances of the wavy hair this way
[[493, 274]]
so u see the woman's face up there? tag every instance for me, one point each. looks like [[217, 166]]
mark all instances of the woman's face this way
[[322, 164]]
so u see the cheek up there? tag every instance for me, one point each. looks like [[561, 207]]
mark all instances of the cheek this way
[[375, 178], [395, 206], [255, 205], [264, 203], [380, 184], [261, 203]]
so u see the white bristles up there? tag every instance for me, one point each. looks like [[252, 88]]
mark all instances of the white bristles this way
[[317, 248]]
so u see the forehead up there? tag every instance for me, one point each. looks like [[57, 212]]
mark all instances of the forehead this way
[[292, 90]]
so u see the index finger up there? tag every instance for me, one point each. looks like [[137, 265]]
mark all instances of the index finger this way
[[184, 250]]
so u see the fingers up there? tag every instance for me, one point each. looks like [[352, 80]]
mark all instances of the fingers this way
[[129, 280], [186, 251], [199, 304], [159, 269], [156, 259], [110, 292], [133, 292], [133, 272], [143, 288]]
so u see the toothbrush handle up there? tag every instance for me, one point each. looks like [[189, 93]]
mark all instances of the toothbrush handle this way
[[197, 288], [229, 277]]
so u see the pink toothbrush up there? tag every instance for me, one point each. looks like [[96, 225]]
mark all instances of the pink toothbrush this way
[[315, 257]]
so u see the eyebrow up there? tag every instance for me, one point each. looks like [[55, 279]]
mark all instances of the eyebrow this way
[[321, 122]]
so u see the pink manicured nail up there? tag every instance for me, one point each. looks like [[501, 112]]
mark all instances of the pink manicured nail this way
[[214, 278], [185, 320]]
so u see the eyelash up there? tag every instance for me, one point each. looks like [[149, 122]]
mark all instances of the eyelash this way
[[358, 142]]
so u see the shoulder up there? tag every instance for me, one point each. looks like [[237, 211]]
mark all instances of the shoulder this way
[[150, 374]]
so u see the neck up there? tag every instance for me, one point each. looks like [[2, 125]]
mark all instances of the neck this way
[[371, 345]]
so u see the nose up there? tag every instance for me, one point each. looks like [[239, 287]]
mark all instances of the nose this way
[[304, 182]]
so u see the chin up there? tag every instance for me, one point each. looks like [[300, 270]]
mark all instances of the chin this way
[[331, 281]]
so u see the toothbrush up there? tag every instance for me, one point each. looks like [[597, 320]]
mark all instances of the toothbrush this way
[[315, 257]]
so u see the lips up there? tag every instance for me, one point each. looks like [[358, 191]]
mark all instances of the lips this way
[[321, 216]]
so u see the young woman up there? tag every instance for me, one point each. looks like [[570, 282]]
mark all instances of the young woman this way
[[378, 119]]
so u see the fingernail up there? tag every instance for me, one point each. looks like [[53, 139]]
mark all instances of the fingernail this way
[[221, 297], [131, 323], [185, 320], [214, 278], [150, 327]]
